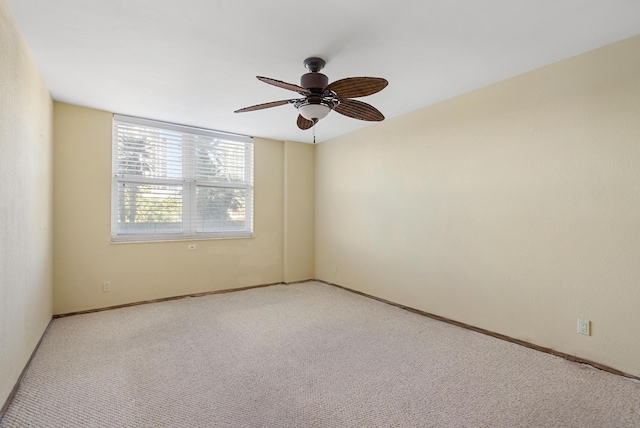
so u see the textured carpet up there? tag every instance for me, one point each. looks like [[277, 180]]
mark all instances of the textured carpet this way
[[305, 355]]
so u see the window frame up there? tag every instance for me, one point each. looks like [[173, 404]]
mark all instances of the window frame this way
[[188, 182]]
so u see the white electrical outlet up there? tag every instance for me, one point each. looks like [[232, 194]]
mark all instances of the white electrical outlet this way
[[584, 327], [106, 286], [191, 247]]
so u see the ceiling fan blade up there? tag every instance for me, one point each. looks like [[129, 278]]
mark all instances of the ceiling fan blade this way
[[304, 123], [285, 85], [359, 110], [354, 87], [265, 105]]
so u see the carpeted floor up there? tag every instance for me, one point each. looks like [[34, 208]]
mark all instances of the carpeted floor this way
[[305, 355]]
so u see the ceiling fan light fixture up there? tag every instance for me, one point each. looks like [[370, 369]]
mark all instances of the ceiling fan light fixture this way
[[314, 112]]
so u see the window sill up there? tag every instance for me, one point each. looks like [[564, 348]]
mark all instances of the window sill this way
[[182, 239]]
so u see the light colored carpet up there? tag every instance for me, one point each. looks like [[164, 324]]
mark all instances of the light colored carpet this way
[[305, 355]]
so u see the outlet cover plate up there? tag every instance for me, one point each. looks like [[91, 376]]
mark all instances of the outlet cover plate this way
[[584, 327]]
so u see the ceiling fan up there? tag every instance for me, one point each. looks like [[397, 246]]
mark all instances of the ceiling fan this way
[[319, 96]]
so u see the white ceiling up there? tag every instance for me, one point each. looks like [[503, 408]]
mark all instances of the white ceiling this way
[[194, 61]]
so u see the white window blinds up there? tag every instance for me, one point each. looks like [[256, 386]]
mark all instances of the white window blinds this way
[[176, 182]]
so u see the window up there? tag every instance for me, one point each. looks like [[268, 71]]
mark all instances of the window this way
[[174, 182]]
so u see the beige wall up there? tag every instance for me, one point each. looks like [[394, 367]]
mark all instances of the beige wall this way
[[25, 203], [299, 220], [515, 208], [84, 257]]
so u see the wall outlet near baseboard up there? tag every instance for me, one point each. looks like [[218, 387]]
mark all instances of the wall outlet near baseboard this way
[[584, 327], [106, 286]]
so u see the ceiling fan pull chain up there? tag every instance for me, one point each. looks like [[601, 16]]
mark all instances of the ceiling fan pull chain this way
[[314, 131]]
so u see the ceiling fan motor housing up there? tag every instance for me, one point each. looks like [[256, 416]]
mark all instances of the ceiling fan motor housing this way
[[313, 81]]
